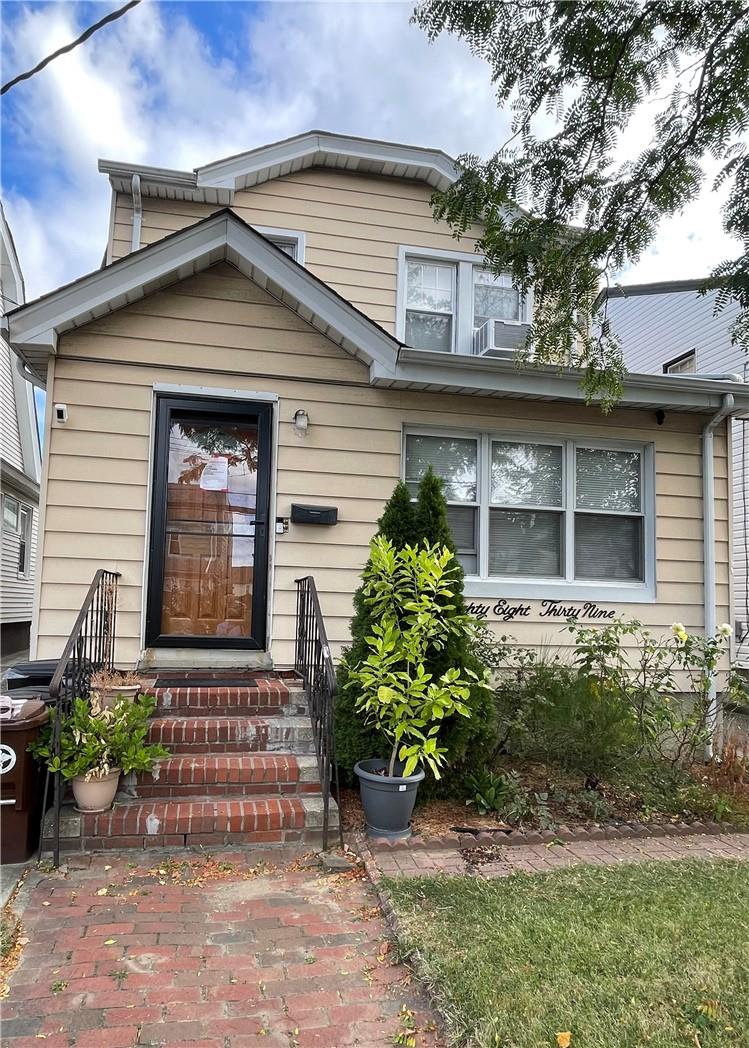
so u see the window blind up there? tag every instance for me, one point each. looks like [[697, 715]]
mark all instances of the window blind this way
[[608, 480], [608, 547], [453, 460], [525, 543], [462, 521], [526, 474]]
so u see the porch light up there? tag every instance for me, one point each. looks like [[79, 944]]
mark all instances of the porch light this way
[[301, 422]]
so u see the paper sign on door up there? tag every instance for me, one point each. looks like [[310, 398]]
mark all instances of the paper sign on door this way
[[215, 476]]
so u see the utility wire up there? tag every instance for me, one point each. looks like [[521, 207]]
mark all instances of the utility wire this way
[[69, 47]]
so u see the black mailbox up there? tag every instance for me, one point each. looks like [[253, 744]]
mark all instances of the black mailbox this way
[[313, 514]]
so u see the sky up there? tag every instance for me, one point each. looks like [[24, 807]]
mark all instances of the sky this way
[[178, 84]]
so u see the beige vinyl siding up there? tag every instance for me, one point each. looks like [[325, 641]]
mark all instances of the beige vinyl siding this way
[[10, 436], [17, 591], [353, 226], [216, 330]]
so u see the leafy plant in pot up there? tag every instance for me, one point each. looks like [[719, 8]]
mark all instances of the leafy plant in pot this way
[[97, 744], [410, 592]]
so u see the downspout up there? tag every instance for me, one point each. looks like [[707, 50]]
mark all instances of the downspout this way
[[137, 213], [708, 504]]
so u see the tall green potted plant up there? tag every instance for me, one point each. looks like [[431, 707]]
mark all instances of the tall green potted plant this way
[[97, 744], [409, 593]]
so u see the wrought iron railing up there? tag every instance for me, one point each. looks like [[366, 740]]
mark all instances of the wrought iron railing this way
[[314, 664], [89, 648]]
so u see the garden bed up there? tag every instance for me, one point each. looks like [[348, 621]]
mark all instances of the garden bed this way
[[640, 793]]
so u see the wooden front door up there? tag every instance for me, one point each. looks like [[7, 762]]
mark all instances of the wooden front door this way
[[208, 565]]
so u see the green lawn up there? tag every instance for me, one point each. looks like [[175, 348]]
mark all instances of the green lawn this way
[[644, 954]]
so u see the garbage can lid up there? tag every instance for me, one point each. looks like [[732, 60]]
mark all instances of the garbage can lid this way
[[24, 716]]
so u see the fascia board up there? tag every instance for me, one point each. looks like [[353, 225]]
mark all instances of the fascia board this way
[[477, 374], [38, 322], [225, 172]]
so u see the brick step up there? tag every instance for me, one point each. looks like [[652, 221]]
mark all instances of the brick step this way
[[264, 698], [227, 775], [195, 821], [216, 735]]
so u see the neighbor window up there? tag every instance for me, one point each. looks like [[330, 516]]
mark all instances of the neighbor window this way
[[24, 544], [559, 510], [494, 298], [11, 510], [430, 305], [686, 364]]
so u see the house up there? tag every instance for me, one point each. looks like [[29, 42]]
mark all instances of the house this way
[[274, 339], [670, 328], [20, 468]]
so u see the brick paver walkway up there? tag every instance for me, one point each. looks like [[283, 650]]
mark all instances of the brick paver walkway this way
[[497, 861], [124, 950]]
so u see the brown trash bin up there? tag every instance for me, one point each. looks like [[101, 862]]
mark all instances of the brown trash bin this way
[[21, 788]]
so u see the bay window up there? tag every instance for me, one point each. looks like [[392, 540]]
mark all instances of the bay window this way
[[554, 512]]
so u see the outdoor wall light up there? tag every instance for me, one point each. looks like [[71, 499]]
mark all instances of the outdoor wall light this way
[[301, 422]]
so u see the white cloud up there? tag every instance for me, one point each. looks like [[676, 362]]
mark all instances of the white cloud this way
[[149, 89]]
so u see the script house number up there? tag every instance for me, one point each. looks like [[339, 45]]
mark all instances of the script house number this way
[[550, 609]]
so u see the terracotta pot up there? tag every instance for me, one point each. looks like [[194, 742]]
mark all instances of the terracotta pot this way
[[96, 794], [109, 696]]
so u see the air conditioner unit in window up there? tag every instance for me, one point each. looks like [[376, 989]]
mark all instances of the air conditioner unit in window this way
[[499, 338]]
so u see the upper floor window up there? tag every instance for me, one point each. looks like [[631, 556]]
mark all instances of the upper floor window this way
[[686, 364], [567, 511], [430, 305], [495, 297], [24, 543], [449, 303]]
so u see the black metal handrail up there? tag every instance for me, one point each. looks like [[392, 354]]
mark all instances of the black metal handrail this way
[[89, 648], [313, 662]]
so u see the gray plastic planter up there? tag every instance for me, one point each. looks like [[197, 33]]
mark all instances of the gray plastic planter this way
[[388, 800]]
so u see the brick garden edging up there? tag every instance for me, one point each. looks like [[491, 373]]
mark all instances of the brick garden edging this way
[[570, 835]]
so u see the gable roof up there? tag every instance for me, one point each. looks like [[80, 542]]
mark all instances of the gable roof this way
[[33, 329], [217, 182]]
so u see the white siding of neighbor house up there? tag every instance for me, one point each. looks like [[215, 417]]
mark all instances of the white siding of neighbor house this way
[[10, 448], [17, 591], [656, 328], [220, 330]]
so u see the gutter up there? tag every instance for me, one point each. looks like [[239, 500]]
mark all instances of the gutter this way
[[137, 213], [708, 503]]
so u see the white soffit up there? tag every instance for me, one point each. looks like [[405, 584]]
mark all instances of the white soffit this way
[[217, 182], [34, 329]]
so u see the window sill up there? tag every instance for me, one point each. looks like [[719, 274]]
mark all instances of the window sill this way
[[554, 589]]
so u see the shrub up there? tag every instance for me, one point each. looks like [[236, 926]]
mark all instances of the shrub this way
[[410, 594], [93, 740]]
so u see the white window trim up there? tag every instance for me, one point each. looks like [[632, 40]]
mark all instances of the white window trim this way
[[292, 236], [465, 263], [555, 588]]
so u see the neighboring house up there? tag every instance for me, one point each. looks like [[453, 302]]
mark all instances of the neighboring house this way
[[20, 470], [669, 328], [291, 327]]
